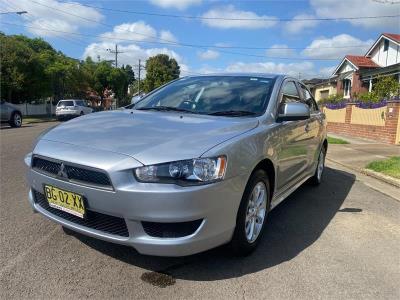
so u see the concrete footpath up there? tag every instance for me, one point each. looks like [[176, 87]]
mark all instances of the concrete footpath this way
[[359, 152]]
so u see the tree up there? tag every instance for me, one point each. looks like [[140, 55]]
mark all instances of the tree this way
[[16, 60], [160, 69], [384, 88]]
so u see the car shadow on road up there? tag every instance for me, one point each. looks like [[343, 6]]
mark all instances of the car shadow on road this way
[[6, 127], [293, 226]]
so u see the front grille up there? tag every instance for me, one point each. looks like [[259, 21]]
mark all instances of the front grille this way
[[171, 230], [94, 220], [74, 173], [46, 165]]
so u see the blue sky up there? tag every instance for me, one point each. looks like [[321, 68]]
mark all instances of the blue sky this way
[[78, 29]]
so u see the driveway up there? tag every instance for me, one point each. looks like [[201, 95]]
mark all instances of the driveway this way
[[339, 240]]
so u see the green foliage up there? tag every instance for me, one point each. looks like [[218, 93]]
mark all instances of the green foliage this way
[[160, 69], [385, 87], [332, 140], [332, 99], [368, 97], [31, 69]]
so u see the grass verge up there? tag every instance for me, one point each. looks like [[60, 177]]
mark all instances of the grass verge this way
[[332, 140], [37, 119], [390, 166]]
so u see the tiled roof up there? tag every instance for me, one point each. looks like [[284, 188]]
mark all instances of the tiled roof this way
[[393, 36], [361, 61]]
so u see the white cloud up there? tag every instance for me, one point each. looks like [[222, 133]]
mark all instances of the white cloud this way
[[229, 12], [300, 25], [327, 71], [131, 53], [319, 48], [167, 37], [208, 54], [280, 50], [51, 16], [178, 4], [357, 8], [293, 69], [138, 31]]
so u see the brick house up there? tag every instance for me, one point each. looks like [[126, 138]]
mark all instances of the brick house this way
[[356, 74]]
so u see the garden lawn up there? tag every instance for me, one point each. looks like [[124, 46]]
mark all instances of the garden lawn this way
[[390, 166], [332, 140]]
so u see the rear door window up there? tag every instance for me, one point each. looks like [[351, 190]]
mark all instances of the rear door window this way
[[65, 103]]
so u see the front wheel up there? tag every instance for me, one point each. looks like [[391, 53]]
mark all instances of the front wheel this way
[[252, 214], [16, 120]]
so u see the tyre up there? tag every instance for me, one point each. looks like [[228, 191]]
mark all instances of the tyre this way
[[252, 214], [16, 119], [317, 177], [81, 114]]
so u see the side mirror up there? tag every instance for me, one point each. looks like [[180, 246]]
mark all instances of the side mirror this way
[[293, 111]]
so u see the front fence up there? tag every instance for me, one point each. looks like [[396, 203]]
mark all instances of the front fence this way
[[36, 109], [380, 124]]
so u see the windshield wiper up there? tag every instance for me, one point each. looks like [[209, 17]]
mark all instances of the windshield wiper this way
[[166, 108], [233, 113]]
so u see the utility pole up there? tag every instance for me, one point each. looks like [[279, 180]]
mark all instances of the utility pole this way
[[139, 68], [116, 52]]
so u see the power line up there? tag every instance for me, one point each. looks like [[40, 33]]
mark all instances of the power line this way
[[173, 43], [235, 19], [70, 39], [185, 45]]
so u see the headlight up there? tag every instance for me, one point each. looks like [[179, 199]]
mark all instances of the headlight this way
[[184, 172]]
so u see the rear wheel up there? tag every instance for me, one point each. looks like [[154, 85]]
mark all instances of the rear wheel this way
[[252, 214], [16, 119]]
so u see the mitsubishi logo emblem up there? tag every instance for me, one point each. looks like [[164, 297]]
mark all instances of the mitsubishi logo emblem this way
[[62, 172]]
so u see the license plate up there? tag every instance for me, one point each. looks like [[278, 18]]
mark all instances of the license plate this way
[[64, 200]]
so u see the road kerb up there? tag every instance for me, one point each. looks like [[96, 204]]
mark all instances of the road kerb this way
[[387, 179]]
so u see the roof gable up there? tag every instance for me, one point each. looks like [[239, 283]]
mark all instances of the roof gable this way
[[356, 62], [394, 37]]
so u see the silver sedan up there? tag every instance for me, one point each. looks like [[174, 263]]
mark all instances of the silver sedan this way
[[195, 164]]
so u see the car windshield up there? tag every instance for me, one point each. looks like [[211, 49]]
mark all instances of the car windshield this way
[[213, 95], [65, 103]]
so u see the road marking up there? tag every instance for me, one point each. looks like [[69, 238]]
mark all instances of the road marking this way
[[20, 257]]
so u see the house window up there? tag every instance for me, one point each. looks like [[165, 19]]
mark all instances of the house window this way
[[386, 45], [324, 94]]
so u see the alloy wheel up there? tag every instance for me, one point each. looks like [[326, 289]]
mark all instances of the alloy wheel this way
[[17, 120], [256, 211]]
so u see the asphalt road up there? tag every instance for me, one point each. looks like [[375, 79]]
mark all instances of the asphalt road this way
[[337, 241]]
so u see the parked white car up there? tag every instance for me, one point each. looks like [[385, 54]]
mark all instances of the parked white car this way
[[71, 108]]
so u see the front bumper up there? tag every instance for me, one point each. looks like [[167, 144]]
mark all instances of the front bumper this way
[[215, 204]]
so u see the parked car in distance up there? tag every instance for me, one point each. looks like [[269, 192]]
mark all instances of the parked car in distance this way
[[197, 163], [136, 98], [71, 108], [10, 114]]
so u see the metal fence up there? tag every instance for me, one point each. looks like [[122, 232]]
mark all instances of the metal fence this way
[[36, 109]]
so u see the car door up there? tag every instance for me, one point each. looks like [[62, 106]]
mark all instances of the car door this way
[[314, 125], [293, 150], [4, 111]]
